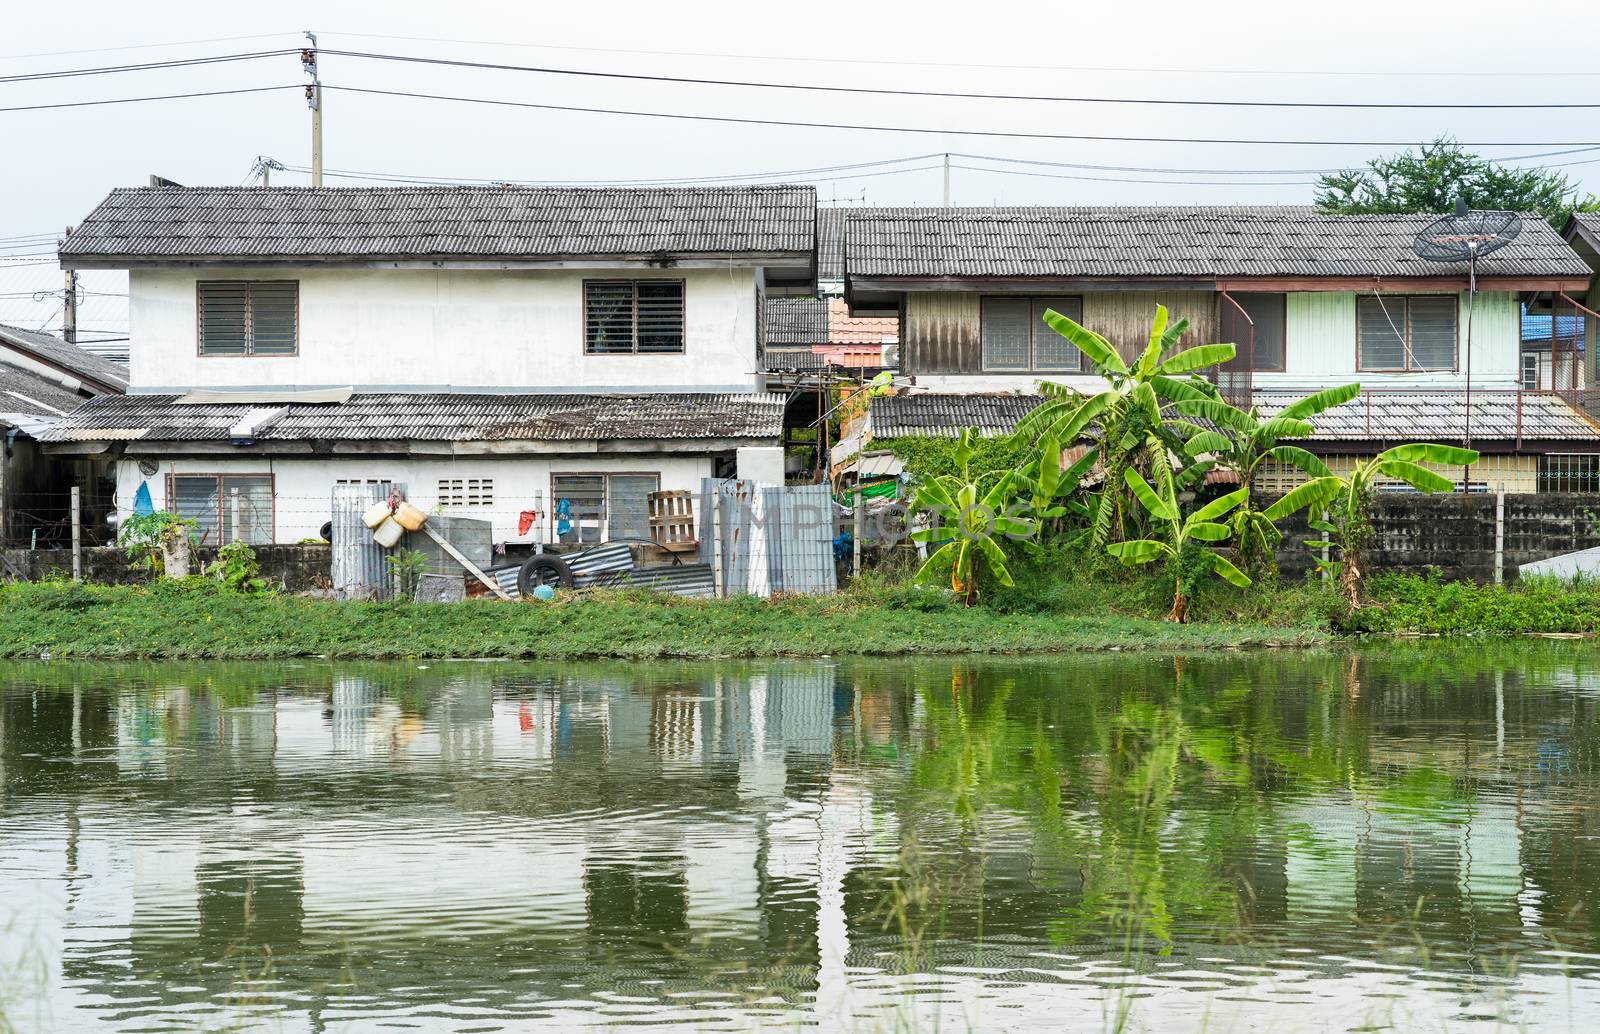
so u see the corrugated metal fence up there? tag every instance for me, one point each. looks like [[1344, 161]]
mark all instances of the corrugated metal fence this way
[[358, 570], [767, 538]]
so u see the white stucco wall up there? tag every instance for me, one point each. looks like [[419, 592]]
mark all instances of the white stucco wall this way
[[440, 329], [1320, 352], [302, 486]]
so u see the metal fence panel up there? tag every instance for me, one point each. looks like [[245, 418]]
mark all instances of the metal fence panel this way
[[358, 568], [772, 538]]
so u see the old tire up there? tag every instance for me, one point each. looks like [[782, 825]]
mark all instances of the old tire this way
[[326, 531], [543, 569]]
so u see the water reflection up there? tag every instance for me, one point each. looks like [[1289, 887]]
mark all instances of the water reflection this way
[[1351, 840]]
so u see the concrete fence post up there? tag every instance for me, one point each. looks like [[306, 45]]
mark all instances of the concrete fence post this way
[[76, 503], [718, 589], [855, 538], [1500, 534]]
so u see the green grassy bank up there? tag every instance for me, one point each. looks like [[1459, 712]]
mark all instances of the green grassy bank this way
[[201, 619]]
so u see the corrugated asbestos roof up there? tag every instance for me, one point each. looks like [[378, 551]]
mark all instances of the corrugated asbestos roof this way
[[945, 415], [1178, 242], [1441, 417], [25, 392], [244, 223], [1373, 417], [436, 416], [79, 361], [797, 321]]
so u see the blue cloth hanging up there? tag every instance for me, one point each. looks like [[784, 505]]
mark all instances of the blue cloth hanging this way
[[563, 516], [141, 500]]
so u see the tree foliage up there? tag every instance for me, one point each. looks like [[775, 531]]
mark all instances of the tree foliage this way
[[1432, 178]]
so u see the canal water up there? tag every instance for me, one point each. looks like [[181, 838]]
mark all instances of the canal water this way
[[1404, 838]]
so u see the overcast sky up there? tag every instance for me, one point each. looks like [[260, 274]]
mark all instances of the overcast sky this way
[[60, 162]]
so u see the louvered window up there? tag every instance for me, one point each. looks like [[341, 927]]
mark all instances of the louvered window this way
[[622, 317], [1017, 339], [209, 501], [249, 317], [466, 491], [1407, 334], [603, 506]]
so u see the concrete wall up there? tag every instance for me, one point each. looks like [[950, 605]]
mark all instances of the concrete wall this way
[[302, 487], [294, 568], [1455, 533], [496, 330]]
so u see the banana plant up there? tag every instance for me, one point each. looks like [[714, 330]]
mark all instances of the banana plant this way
[[1183, 538], [1240, 441], [1125, 418], [967, 519], [1049, 487], [1346, 500]]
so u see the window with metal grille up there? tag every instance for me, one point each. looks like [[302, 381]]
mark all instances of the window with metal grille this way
[[249, 317], [624, 317], [466, 491], [1569, 472], [1017, 339], [603, 506], [1399, 334], [208, 500], [1530, 371]]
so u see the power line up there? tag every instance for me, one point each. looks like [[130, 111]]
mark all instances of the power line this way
[[155, 97], [1121, 179], [148, 66], [811, 59], [143, 46], [956, 95], [1010, 134]]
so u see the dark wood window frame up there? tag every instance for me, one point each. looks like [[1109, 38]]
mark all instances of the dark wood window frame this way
[[222, 502], [1035, 327], [249, 352], [1241, 363], [605, 502], [633, 284], [1406, 353]]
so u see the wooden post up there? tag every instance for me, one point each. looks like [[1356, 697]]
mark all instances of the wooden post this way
[[1500, 534], [716, 541], [1325, 575], [77, 533], [233, 514]]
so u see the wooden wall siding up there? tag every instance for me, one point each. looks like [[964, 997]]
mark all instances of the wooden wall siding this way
[[1124, 317], [943, 333]]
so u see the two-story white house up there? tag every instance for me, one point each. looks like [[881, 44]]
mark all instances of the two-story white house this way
[[501, 351], [1312, 300]]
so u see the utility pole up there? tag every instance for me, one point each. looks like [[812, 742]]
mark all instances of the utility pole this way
[[947, 179], [308, 58], [69, 304]]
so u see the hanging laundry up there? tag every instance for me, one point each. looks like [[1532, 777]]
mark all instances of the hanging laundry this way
[[525, 520], [563, 516], [142, 504]]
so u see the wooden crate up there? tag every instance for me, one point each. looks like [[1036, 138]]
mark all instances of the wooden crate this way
[[672, 521]]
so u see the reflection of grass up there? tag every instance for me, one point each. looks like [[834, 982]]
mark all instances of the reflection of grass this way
[[24, 980]]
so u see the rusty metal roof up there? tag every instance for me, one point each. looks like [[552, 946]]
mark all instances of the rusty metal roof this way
[[436, 222], [1175, 242], [436, 416]]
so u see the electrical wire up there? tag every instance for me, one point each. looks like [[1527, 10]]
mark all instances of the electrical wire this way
[[154, 97], [149, 66], [144, 46], [771, 175], [1009, 134], [812, 59], [1123, 179], [957, 95]]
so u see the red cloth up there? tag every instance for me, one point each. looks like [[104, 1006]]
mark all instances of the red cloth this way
[[525, 521]]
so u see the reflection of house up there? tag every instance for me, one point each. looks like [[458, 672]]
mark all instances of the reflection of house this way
[[1311, 300], [42, 379], [494, 349]]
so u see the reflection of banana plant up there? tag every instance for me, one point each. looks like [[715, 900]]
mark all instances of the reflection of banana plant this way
[[1181, 545], [1241, 441], [1348, 500], [967, 519], [1128, 414]]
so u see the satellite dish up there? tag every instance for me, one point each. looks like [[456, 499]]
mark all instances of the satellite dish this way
[[1466, 236]]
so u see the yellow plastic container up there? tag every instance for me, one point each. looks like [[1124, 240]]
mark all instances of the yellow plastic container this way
[[376, 514], [388, 533], [409, 517]]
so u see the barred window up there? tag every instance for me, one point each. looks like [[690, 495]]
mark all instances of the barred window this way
[[466, 491], [622, 317], [604, 506], [249, 317], [208, 500], [1016, 337], [1414, 334]]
